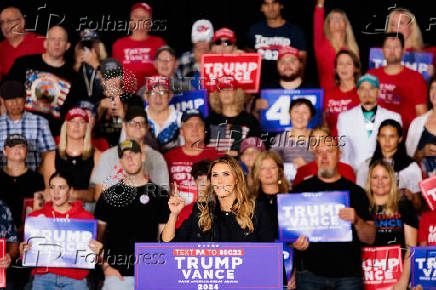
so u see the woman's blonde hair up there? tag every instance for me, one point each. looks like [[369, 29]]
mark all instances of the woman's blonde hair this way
[[87, 146], [243, 206], [283, 182], [215, 103], [350, 41], [392, 204], [416, 35]]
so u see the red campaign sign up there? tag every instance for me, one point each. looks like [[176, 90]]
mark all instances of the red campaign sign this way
[[245, 68], [428, 189], [2, 270], [382, 267]]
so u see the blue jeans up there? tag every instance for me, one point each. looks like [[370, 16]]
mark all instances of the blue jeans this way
[[51, 281], [307, 280], [114, 283]]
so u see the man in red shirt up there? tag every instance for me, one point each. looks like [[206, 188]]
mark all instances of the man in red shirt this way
[[136, 52], [17, 41], [402, 90], [180, 159]]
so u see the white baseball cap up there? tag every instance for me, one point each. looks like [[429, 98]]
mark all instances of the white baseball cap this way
[[202, 30]]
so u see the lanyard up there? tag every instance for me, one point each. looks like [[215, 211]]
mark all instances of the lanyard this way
[[89, 84]]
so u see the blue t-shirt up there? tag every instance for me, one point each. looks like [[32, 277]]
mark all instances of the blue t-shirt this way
[[267, 41]]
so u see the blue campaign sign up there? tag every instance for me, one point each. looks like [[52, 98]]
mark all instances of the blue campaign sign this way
[[423, 267], [59, 242], [190, 100], [276, 117], [208, 266], [419, 61], [315, 215]]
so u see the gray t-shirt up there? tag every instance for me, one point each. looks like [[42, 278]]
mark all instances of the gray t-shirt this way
[[108, 171]]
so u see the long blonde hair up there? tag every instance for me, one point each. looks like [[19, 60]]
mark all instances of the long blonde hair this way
[[283, 182], [215, 103], [350, 41], [392, 204], [87, 146], [242, 208], [416, 35]]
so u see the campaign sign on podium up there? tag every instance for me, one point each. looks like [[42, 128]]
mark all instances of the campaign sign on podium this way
[[276, 117], [315, 215], [208, 266], [59, 242], [423, 267]]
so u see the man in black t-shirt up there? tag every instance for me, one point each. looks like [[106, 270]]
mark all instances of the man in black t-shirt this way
[[17, 183], [338, 264], [129, 212], [269, 35], [290, 75], [52, 86]]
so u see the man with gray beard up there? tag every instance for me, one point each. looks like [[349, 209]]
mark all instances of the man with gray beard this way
[[320, 265]]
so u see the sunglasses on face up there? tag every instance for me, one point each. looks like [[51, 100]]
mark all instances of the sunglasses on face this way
[[223, 42]]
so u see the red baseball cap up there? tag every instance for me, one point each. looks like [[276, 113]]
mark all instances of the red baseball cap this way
[[155, 81], [77, 112], [288, 50], [225, 33], [143, 5]]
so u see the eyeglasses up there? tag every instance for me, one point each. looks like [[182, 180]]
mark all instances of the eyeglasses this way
[[140, 124], [223, 42]]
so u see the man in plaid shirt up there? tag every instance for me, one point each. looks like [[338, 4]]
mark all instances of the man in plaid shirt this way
[[17, 121]]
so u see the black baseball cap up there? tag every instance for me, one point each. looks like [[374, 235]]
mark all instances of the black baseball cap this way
[[133, 112], [12, 89], [130, 145], [111, 68], [165, 48], [15, 139]]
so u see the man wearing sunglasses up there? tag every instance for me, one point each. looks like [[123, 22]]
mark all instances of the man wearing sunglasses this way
[[224, 41]]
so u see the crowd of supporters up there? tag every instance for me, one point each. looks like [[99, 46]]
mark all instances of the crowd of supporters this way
[[99, 139]]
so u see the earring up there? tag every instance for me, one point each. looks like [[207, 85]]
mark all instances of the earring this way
[[280, 181]]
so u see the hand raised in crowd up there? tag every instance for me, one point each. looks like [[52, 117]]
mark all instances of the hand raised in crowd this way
[[90, 57], [5, 261], [176, 203], [301, 244]]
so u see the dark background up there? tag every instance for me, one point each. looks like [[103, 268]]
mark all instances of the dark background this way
[[175, 19]]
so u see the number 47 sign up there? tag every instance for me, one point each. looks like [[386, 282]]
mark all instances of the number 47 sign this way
[[276, 117]]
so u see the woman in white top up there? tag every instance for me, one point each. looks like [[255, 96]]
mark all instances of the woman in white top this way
[[421, 137], [390, 148]]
